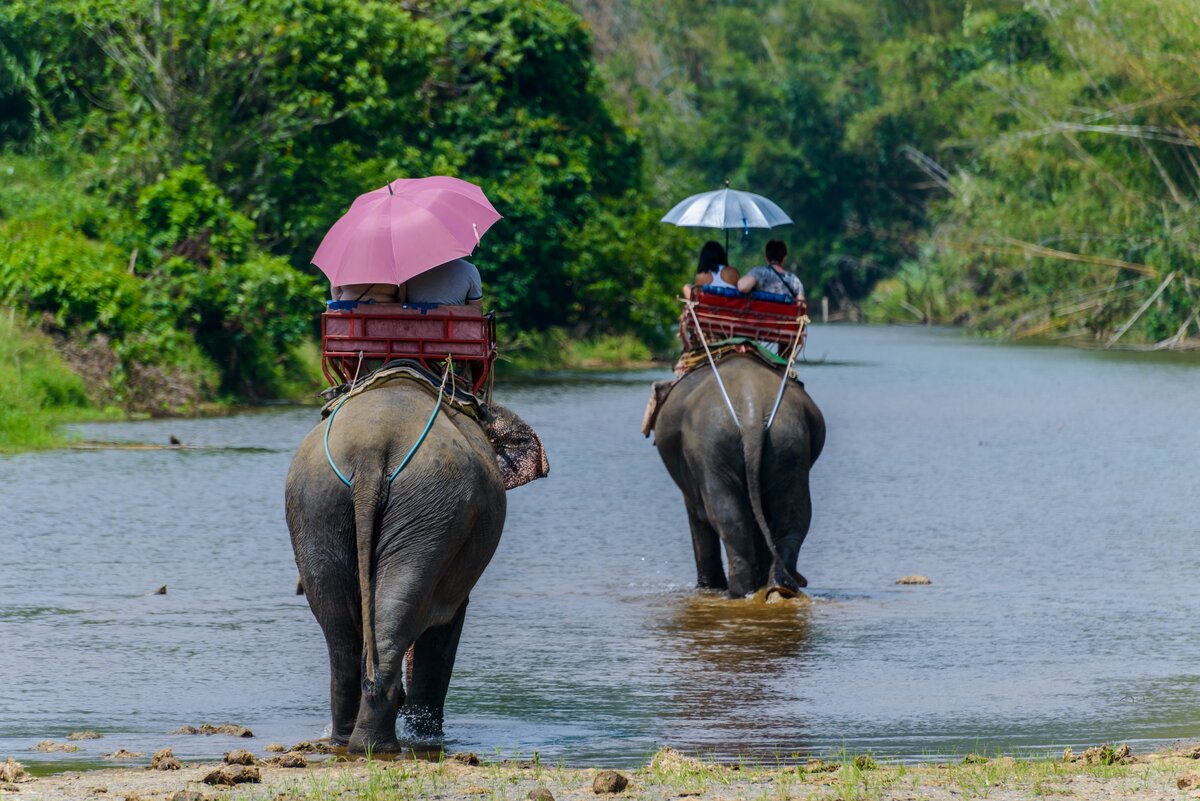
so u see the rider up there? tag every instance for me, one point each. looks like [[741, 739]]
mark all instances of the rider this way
[[454, 283], [773, 277]]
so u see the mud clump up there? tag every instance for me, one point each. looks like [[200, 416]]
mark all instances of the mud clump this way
[[819, 766], [276, 748], [231, 729], [470, 759], [975, 759], [121, 753], [229, 775], [240, 756], [670, 759], [913, 580], [13, 772], [1188, 781], [540, 794], [51, 747], [164, 759], [306, 747], [185, 795], [292, 759], [84, 735], [609, 781], [1101, 755]]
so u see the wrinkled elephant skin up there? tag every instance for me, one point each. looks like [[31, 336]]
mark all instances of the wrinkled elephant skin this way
[[745, 488], [387, 566]]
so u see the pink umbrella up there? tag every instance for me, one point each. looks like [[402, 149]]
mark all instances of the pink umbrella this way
[[403, 229]]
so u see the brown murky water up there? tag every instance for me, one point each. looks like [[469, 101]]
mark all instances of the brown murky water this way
[[1050, 495]]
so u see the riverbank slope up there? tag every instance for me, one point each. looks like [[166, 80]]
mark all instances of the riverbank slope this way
[[1099, 773]]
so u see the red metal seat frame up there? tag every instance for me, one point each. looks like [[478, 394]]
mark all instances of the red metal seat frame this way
[[353, 342], [721, 317]]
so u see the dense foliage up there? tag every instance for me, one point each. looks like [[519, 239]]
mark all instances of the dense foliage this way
[[1027, 167], [1024, 167], [187, 157]]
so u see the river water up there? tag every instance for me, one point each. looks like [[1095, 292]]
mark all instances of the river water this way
[[1049, 494]]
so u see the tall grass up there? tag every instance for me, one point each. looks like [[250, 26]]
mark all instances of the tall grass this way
[[38, 391]]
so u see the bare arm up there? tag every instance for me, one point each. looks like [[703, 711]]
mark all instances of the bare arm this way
[[746, 283]]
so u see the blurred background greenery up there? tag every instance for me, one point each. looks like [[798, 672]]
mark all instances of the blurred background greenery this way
[[168, 169]]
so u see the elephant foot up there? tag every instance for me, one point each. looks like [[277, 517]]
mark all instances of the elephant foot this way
[[776, 593], [373, 744], [423, 723]]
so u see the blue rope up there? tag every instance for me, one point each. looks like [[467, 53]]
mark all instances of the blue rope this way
[[411, 451], [436, 408], [328, 455]]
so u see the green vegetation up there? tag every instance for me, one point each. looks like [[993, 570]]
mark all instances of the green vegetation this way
[[167, 169], [1027, 169], [670, 774], [37, 390]]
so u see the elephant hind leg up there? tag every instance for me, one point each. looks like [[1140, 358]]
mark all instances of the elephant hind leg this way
[[432, 664], [706, 546]]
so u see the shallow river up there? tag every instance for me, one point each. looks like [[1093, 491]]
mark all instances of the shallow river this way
[[1050, 494]]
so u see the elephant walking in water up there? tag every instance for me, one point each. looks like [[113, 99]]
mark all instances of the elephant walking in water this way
[[388, 565], [745, 486]]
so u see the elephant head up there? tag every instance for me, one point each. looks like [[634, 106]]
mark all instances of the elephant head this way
[[519, 451]]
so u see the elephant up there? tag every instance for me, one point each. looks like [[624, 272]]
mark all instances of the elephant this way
[[745, 486], [388, 565]]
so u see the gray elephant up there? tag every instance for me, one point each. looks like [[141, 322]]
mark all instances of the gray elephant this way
[[745, 487], [388, 565]]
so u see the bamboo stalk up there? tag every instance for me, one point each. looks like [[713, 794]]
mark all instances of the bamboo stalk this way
[[1129, 323]]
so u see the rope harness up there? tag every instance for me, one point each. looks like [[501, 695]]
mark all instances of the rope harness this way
[[787, 371], [437, 406], [691, 307]]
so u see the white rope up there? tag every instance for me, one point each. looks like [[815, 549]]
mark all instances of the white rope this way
[[692, 310], [787, 372]]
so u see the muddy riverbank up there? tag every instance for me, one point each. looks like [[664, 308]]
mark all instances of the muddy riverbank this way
[[1100, 773]]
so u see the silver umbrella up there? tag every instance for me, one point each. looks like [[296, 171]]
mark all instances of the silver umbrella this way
[[726, 208]]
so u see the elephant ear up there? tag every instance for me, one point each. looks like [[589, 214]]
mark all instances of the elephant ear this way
[[658, 394], [519, 451]]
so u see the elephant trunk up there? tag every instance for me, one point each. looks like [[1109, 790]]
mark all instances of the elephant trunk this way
[[753, 443], [365, 513]]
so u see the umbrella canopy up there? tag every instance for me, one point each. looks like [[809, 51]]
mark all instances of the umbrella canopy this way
[[726, 208], [402, 229]]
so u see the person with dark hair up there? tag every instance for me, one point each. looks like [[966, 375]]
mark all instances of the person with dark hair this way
[[773, 278], [713, 269]]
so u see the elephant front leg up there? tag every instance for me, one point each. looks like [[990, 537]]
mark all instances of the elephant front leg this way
[[432, 664], [706, 546]]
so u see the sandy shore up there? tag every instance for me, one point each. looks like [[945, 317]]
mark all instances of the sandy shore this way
[[1110, 774]]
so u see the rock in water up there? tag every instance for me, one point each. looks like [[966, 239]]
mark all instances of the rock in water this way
[[914, 580], [121, 753], [609, 781], [50, 747]]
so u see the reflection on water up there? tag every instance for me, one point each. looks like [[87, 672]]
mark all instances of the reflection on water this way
[[727, 655], [1050, 495]]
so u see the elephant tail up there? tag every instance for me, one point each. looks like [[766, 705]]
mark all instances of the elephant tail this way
[[365, 513], [753, 444]]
